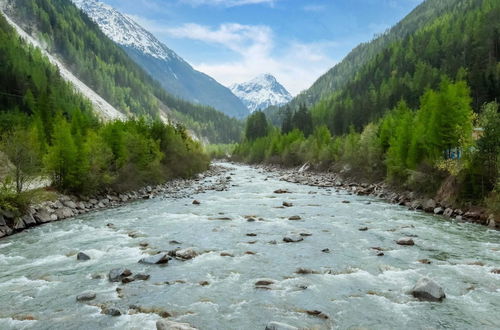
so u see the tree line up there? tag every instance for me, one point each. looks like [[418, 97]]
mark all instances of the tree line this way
[[415, 148]]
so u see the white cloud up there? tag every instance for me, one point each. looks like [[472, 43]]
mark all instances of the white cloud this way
[[296, 66], [227, 3]]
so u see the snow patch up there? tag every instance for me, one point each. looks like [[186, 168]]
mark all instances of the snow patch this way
[[261, 92]]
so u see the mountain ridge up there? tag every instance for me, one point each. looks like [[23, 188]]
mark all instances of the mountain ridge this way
[[261, 92], [174, 74]]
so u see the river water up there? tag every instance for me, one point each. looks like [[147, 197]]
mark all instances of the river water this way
[[40, 276]]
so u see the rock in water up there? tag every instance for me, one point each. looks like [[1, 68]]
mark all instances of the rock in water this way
[[171, 325], [160, 258], [292, 238], [112, 311], [196, 202], [295, 217], [185, 254], [279, 326], [117, 274], [86, 296], [82, 256], [405, 241], [427, 289]]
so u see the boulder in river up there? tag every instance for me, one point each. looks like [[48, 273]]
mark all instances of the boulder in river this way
[[111, 311], [295, 217], [196, 202], [141, 277], [82, 256], [160, 258], [427, 289], [279, 326], [117, 274], [171, 325], [186, 254], [281, 191], [86, 296], [287, 204], [292, 238], [264, 282], [405, 241]]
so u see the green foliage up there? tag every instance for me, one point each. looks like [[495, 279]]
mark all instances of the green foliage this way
[[100, 64], [256, 126]]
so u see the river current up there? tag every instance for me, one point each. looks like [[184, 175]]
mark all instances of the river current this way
[[357, 289]]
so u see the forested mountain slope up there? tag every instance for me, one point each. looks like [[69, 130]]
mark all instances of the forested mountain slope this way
[[463, 43], [71, 35], [423, 17], [163, 64]]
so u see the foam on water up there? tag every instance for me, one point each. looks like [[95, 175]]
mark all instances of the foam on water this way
[[355, 288]]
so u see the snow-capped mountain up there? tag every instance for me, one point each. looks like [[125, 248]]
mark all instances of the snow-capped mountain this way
[[162, 63], [261, 92]]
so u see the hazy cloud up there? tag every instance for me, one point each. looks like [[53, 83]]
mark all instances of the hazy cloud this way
[[227, 3]]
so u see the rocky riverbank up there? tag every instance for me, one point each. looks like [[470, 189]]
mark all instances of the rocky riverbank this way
[[306, 176], [66, 206]]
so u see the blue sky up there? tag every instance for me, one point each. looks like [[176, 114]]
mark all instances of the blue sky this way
[[235, 40]]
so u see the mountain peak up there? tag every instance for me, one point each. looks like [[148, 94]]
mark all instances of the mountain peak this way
[[261, 92], [123, 30]]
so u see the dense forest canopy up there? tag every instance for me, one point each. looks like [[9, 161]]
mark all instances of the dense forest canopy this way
[[107, 69]]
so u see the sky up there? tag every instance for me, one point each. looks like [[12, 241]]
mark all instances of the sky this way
[[236, 40]]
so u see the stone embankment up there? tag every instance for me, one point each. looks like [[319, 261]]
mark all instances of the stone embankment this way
[[382, 190], [65, 206]]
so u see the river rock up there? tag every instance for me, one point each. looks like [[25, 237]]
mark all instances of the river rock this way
[[43, 216], [287, 204], [111, 311], [405, 241], [82, 256], [196, 202], [186, 254], [70, 204], [438, 210], [279, 326], [117, 274], [264, 282], [160, 258], [28, 220], [171, 325], [295, 217], [142, 277], [281, 191], [64, 213], [448, 212], [427, 289], [2, 221], [429, 205], [86, 296], [292, 238]]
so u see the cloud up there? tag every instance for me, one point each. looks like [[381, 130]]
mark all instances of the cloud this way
[[314, 8], [297, 65], [227, 3], [253, 50]]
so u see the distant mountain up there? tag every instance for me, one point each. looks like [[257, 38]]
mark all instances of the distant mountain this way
[[163, 64], [261, 92]]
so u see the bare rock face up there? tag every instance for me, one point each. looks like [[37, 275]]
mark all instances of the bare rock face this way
[[427, 289]]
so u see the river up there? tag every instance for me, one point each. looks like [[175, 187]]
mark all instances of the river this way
[[40, 276]]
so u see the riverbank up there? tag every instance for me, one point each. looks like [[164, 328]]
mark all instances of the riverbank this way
[[306, 175], [67, 206]]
